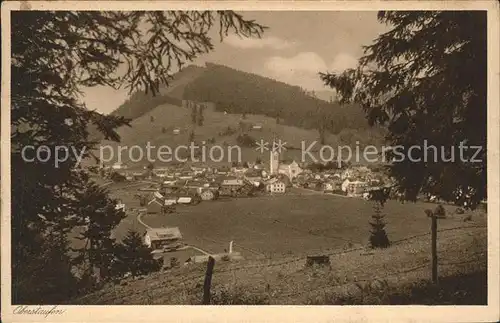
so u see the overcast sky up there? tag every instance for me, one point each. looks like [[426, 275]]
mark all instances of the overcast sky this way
[[294, 49]]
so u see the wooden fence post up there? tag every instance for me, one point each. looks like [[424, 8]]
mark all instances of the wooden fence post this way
[[434, 249], [208, 280]]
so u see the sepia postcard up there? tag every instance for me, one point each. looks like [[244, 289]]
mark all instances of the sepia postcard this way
[[256, 161]]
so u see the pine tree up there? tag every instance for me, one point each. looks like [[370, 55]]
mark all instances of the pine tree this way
[[200, 116], [98, 214], [191, 136], [55, 54], [378, 236], [194, 113], [134, 256], [429, 86]]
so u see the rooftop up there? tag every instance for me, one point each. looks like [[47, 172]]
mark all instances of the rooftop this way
[[164, 233]]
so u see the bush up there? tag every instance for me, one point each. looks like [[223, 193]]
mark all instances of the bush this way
[[227, 132], [174, 262], [245, 140]]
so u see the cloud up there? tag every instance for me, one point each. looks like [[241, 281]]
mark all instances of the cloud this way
[[302, 62], [343, 61], [264, 42], [303, 68]]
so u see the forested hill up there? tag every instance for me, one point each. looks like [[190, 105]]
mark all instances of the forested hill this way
[[234, 91], [239, 92]]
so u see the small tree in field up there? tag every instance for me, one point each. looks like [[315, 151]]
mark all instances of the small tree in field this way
[[378, 236]]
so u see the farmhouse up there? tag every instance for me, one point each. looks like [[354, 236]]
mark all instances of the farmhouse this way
[[163, 238], [329, 186], [154, 206], [356, 188], [156, 203]]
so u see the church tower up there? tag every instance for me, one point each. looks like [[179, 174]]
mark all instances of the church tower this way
[[274, 160]]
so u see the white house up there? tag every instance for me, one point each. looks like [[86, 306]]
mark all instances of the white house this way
[[120, 206], [119, 165], [356, 188], [275, 186]]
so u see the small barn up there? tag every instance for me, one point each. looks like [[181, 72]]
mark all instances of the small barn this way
[[154, 207]]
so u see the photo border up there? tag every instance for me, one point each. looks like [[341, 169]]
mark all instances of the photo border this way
[[186, 313]]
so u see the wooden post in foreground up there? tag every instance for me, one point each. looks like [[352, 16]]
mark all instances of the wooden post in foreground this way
[[434, 249], [208, 280]]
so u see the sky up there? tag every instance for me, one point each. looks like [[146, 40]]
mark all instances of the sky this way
[[294, 49]]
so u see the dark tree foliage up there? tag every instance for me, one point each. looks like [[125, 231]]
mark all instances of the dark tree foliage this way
[[97, 214], [134, 256], [425, 79], [200, 117], [191, 137], [245, 140], [239, 92], [194, 113], [55, 55]]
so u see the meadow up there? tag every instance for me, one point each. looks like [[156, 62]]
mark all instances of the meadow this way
[[295, 224]]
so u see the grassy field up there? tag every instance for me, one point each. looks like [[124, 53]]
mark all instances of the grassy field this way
[[275, 234], [295, 224]]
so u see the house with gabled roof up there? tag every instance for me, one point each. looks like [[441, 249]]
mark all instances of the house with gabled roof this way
[[163, 238]]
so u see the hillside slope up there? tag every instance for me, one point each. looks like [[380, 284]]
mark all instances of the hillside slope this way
[[157, 126], [236, 102], [288, 281]]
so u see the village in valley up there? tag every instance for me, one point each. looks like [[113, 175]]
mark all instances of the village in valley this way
[[161, 192]]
